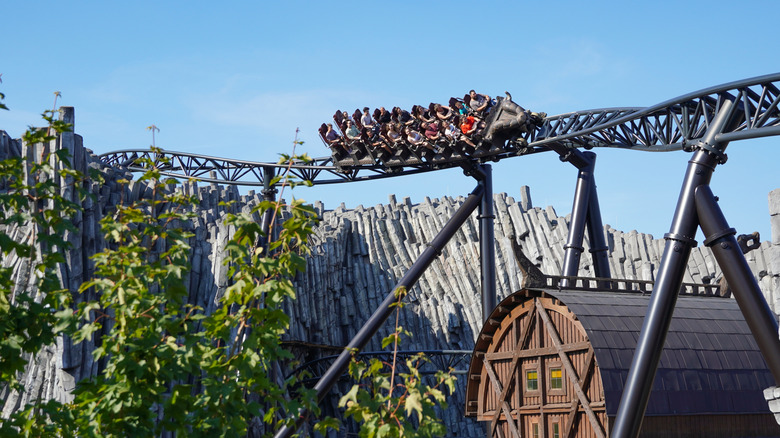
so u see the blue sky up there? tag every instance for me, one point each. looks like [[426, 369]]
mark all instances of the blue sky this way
[[235, 79]]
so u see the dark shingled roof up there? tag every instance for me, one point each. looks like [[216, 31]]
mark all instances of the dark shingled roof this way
[[710, 363]]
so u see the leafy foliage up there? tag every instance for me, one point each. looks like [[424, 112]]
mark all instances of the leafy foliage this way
[[385, 408], [168, 365]]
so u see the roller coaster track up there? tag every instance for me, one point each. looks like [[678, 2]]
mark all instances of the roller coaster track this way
[[677, 124]]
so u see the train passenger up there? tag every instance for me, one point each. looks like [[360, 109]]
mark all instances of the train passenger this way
[[366, 120], [460, 108], [331, 136], [413, 136], [393, 133], [442, 112], [453, 134], [468, 125], [402, 116], [421, 114], [431, 131], [383, 116], [378, 142], [479, 102], [352, 132], [417, 140]]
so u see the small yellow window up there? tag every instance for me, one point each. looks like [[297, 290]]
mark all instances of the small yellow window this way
[[531, 380], [556, 378]]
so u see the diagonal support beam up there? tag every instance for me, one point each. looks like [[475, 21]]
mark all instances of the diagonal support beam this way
[[524, 338], [567, 365], [720, 239], [504, 405], [386, 308], [583, 383], [598, 244], [679, 241]]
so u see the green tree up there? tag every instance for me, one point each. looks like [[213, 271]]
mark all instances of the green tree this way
[[170, 366]]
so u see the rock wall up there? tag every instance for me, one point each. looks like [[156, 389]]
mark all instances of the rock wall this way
[[358, 256]]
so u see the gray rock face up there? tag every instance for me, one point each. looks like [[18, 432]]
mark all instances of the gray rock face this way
[[358, 255]]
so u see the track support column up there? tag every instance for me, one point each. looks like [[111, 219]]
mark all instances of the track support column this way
[[487, 242], [585, 214], [269, 194], [579, 217], [720, 239], [679, 242], [598, 244]]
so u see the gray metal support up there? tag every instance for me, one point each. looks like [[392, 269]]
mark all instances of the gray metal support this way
[[579, 219], [269, 194], [386, 308], [598, 245], [679, 242], [720, 238], [487, 242]]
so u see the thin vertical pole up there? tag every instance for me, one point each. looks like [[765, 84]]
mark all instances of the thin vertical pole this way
[[269, 194], [679, 242], [579, 216], [720, 239], [487, 243]]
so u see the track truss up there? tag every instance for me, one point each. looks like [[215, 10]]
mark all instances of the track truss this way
[[677, 124]]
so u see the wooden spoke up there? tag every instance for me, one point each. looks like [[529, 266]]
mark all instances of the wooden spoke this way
[[567, 365], [584, 383], [504, 405]]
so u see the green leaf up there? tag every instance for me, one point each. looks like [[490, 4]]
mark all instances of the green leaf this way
[[326, 423], [350, 396], [413, 403]]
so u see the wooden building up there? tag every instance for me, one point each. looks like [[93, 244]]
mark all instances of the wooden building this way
[[554, 362]]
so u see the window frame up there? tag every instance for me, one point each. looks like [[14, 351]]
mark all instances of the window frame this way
[[526, 369], [556, 365]]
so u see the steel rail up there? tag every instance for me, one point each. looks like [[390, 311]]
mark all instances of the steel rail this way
[[672, 125]]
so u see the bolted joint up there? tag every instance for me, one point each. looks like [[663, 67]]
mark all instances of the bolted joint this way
[[685, 240], [714, 238], [719, 155], [471, 169], [269, 193]]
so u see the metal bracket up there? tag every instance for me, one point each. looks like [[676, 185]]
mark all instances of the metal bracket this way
[[682, 239], [712, 150], [471, 169], [720, 234]]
